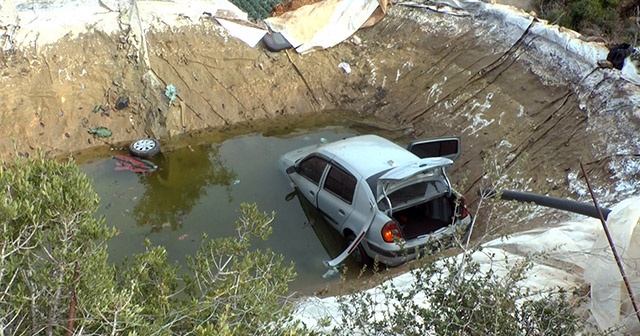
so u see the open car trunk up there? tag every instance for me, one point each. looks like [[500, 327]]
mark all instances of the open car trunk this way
[[421, 208], [418, 196], [426, 218]]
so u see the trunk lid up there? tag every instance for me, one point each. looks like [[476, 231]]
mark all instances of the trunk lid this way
[[428, 171]]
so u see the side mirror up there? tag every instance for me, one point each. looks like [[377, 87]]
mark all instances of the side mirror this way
[[291, 170]]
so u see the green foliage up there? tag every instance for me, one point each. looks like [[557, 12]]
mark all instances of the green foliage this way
[[54, 274], [240, 287], [582, 14], [454, 297], [605, 18], [48, 226], [256, 9]]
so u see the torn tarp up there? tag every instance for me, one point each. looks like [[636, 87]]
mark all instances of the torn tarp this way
[[325, 24]]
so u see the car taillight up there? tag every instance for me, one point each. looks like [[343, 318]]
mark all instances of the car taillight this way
[[464, 212], [391, 230]]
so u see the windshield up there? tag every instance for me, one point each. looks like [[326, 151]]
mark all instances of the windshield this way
[[409, 195]]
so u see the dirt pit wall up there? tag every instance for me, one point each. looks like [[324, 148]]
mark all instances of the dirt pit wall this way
[[417, 74]]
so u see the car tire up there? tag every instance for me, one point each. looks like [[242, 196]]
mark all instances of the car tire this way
[[359, 255], [145, 148]]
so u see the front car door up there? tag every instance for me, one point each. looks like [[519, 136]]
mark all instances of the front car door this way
[[311, 170]]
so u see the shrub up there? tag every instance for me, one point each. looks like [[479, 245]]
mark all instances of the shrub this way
[[609, 19], [55, 278], [454, 297], [256, 9]]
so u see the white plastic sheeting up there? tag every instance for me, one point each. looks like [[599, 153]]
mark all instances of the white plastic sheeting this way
[[31, 25], [610, 302], [576, 253], [324, 24]]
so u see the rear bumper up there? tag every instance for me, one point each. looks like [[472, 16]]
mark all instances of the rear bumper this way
[[397, 256], [393, 258]]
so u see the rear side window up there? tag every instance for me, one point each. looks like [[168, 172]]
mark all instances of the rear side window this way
[[341, 184], [447, 147], [312, 168]]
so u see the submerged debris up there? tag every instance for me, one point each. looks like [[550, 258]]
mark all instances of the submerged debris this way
[[137, 165]]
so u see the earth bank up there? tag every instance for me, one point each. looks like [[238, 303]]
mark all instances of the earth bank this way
[[525, 117]]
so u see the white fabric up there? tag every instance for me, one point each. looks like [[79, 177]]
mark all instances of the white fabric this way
[[324, 24], [573, 249]]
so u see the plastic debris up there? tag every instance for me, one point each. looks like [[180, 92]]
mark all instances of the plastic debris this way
[[276, 42], [618, 54], [171, 92], [236, 182], [100, 132], [105, 110], [126, 162], [122, 103], [330, 273], [345, 66], [97, 108]]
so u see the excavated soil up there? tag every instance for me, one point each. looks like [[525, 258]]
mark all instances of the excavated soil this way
[[408, 80]]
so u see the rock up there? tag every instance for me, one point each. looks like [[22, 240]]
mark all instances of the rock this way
[[605, 64]]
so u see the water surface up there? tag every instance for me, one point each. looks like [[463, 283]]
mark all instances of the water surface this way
[[198, 189]]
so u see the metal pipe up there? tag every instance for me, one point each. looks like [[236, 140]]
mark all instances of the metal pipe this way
[[548, 201], [616, 256]]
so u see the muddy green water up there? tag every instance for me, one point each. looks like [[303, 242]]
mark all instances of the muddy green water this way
[[198, 189]]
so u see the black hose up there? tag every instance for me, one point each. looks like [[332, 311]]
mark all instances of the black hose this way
[[548, 201]]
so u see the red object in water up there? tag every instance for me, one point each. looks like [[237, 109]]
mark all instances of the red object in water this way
[[126, 162]]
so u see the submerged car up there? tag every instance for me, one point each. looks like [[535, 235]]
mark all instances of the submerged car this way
[[389, 202]]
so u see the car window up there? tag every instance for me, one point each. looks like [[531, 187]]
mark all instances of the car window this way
[[341, 184], [444, 147], [312, 168], [417, 192]]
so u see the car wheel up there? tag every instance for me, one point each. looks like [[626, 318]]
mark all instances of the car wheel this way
[[145, 148], [359, 255]]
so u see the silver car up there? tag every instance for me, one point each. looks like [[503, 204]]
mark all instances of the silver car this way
[[389, 202]]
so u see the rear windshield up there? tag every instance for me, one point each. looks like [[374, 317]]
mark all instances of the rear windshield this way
[[414, 194]]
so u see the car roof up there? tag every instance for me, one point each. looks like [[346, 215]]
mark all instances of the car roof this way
[[367, 155]]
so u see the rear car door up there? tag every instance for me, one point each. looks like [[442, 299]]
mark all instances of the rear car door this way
[[448, 147], [311, 170], [335, 198]]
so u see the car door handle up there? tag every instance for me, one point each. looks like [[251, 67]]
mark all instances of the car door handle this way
[[312, 193], [341, 212]]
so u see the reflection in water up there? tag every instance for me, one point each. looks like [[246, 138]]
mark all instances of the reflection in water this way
[[199, 190], [328, 236], [181, 180]]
